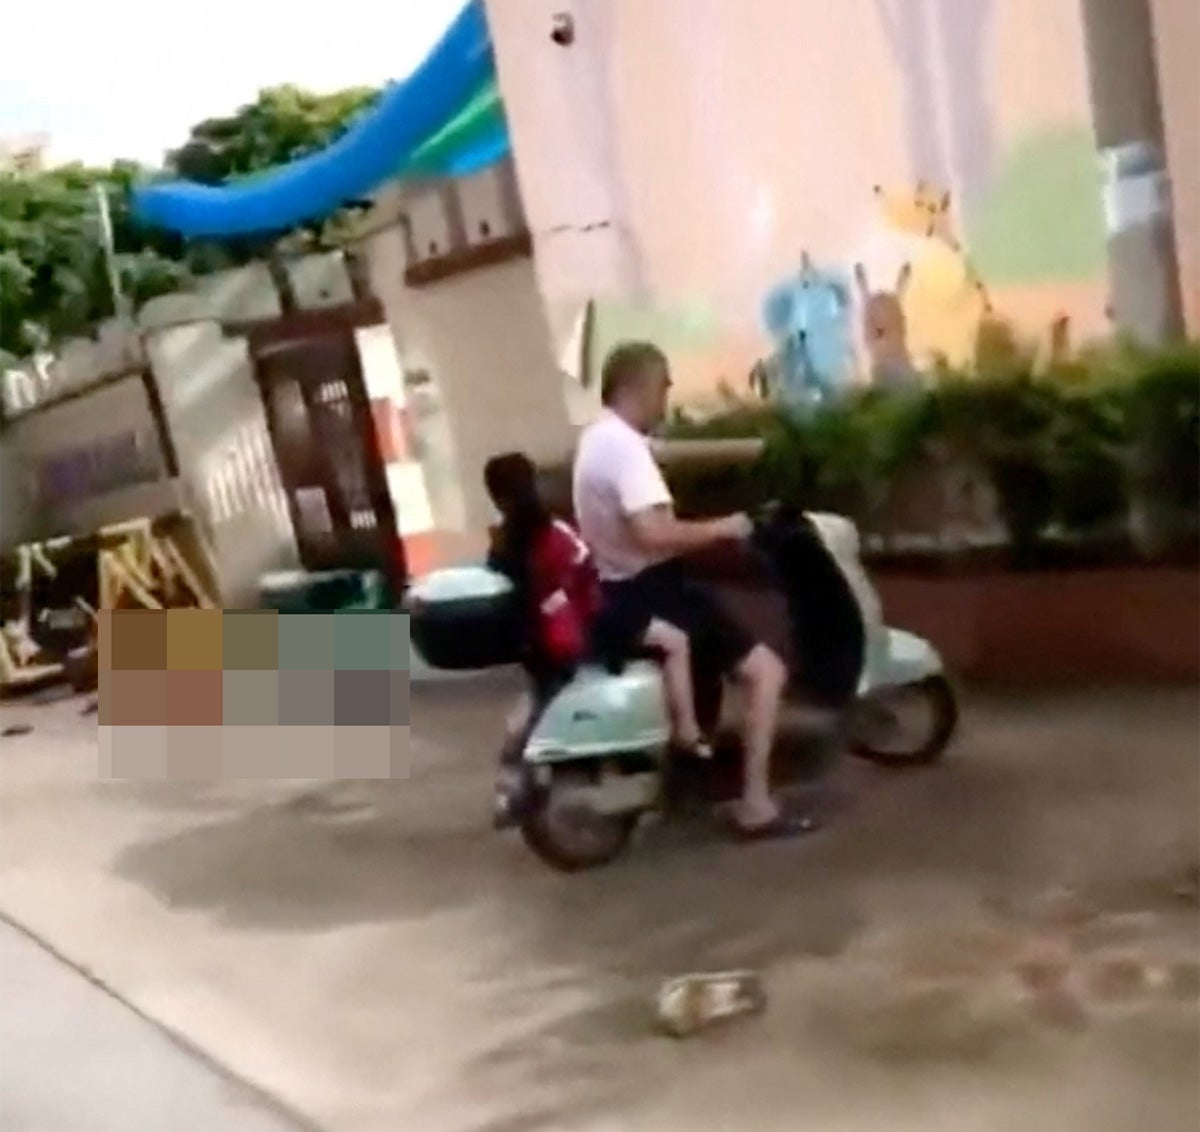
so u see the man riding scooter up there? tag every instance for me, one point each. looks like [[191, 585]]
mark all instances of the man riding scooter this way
[[626, 515]]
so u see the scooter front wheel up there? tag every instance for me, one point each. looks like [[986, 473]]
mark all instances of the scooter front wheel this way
[[909, 726], [572, 838]]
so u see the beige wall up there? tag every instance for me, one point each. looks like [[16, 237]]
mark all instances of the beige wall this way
[[228, 481], [33, 443], [228, 473], [14, 513], [482, 337]]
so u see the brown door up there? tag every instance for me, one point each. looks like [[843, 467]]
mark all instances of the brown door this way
[[325, 442]]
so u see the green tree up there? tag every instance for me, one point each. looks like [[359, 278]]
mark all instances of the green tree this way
[[282, 124], [53, 280]]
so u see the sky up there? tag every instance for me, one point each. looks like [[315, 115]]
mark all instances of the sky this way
[[127, 78]]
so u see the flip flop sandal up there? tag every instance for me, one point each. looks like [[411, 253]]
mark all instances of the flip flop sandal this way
[[700, 749], [778, 829], [692, 1002]]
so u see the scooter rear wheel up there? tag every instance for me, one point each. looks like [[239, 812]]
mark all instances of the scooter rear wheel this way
[[928, 744], [573, 839]]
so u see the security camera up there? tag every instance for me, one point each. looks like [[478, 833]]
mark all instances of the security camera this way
[[562, 29]]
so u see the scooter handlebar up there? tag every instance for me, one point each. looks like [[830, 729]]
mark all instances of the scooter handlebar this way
[[772, 513]]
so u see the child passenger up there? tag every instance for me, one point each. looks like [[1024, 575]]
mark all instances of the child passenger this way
[[556, 583]]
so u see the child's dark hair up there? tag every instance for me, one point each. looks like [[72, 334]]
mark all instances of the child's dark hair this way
[[511, 481]]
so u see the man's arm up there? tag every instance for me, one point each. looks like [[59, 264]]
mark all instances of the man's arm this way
[[659, 531], [650, 512]]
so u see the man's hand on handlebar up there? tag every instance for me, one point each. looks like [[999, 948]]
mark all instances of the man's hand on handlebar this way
[[658, 531], [737, 528]]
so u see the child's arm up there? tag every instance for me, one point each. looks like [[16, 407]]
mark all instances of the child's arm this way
[[561, 629]]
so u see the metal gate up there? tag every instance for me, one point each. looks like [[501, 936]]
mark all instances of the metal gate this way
[[323, 433]]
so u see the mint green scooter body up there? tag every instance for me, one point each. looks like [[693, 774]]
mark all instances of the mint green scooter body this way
[[600, 715]]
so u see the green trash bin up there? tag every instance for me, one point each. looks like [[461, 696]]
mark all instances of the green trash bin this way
[[326, 591]]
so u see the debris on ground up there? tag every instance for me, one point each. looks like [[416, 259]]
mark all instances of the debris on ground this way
[[691, 1003], [902, 1019], [969, 992], [1063, 910], [1118, 929], [1187, 887], [15, 729], [1183, 979], [1043, 965], [1118, 978], [1060, 1008]]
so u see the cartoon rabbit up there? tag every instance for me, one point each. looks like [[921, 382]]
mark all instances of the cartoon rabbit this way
[[885, 330]]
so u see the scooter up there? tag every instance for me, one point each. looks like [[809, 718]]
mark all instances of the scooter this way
[[596, 759]]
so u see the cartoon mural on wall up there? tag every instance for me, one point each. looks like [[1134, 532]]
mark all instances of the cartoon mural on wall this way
[[973, 117], [1040, 220], [885, 329], [1029, 204], [945, 301], [916, 300], [940, 51], [907, 301], [809, 318]]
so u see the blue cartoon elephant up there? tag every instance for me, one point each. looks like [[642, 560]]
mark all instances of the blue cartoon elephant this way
[[810, 319]]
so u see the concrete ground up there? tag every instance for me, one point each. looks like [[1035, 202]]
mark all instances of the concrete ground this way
[[77, 1060], [372, 956]]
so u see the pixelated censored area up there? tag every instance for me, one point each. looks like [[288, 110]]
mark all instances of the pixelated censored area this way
[[208, 752], [203, 693]]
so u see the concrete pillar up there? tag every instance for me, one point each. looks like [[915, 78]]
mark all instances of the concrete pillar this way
[[1123, 82]]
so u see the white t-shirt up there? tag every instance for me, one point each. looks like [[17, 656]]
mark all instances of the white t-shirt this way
[[615, 476]]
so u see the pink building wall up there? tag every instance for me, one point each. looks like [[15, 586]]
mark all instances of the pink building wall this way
[[682, 155]]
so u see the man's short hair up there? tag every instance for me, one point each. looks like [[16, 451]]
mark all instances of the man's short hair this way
[[625, 365]]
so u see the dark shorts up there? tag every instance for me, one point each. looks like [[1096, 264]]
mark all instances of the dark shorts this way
[[666, 593]]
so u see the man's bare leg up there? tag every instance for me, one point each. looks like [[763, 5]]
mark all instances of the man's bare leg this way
[[764, 677]]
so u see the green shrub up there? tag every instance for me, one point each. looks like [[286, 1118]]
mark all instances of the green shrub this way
[[1092, 444], [1162, 455]]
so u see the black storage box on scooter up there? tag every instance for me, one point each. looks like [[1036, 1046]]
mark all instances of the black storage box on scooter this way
[[465, 619]]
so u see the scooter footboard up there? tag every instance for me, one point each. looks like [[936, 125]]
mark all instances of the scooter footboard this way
[[600, 714]]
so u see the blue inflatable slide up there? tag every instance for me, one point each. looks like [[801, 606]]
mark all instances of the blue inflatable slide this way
[[445, 119]]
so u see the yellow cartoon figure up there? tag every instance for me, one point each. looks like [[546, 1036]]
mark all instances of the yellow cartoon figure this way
[[944, 301], [921, 211]]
